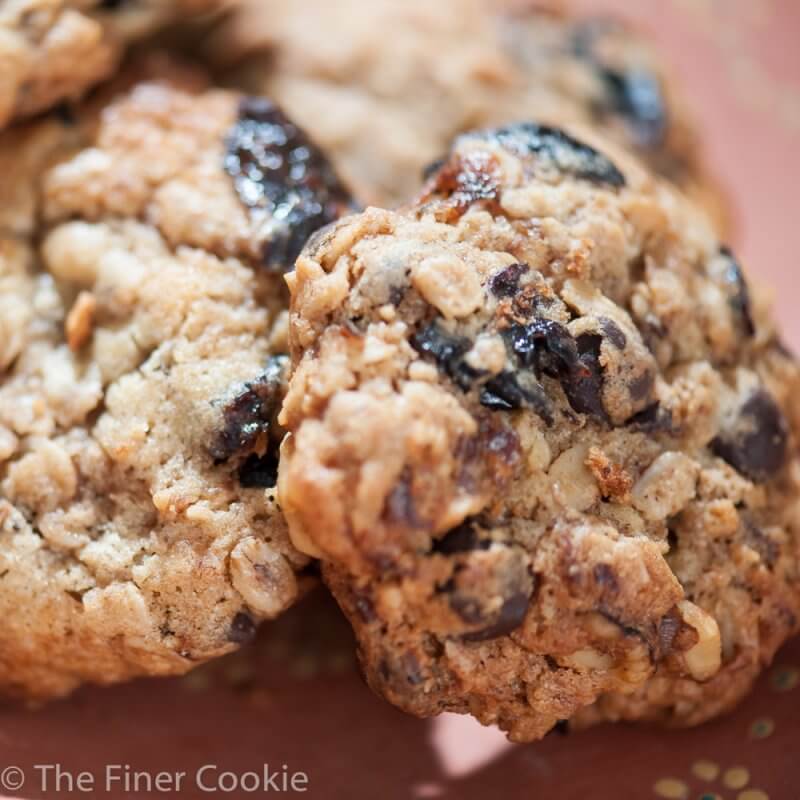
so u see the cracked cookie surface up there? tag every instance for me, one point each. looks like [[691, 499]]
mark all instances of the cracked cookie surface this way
[[142, 363], [543, 438], [55, 50], [385, 107]]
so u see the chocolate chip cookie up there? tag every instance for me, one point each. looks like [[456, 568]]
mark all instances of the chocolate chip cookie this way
[[142, 363], [543, 437], [54, 50], [385, 106]]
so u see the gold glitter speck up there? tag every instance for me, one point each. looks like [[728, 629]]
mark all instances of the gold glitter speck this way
[[705, 770], [671, 789], [736, 777]]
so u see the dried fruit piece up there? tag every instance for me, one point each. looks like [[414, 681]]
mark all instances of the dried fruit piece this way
[[249, 415], [278, 171], [506, 282], [558, 148]]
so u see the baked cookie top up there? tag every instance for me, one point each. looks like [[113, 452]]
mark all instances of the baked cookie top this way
[[543, 438], [142, 361], [386, 106], [55, 50]]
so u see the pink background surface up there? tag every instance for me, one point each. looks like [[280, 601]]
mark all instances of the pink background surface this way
[[296, 697]]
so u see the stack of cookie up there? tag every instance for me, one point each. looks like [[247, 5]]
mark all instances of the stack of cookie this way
[[429, 298]]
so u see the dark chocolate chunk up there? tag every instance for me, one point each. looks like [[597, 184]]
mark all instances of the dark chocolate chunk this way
[[509, 391], [755, 444], [505, 283], [638, 97], [431, 169], [249, 415], [606, 578], [448, 351], [583, 384], [463, 539], [511, 616], [738, 292], [548, 347], [653, 419], [277, 169], [242, 629], [567, 154], [613, 333], [260, 472]]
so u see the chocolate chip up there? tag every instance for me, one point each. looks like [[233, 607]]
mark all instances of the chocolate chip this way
[[260, 472], [755, 444], [249, 415], [242, 629], [511, 616], [431, 169], [638, 97], [448, 351], [613, 333], [567, 154], [636, 94], [606, 578], [738, 291], [548, 347], [400, 507], [641, 386], [583, 384], [276, 168], [463, 539], [505, 283], [509, 391], [653, 419]]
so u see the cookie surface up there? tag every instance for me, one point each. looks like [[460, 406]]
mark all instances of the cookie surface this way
[[55, 50], [543, 438], [386, 107], [142, 362]]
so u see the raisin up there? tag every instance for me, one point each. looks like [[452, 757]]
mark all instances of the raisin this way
[[567, 154], [242, 629], [276, 168], [249, 415], [260, 472], [756, 443], [448, 351], [505, 283], [738, 291], [509, 391], [466, 180]]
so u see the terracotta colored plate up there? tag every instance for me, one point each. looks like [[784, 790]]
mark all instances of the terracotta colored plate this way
[[295, 698]]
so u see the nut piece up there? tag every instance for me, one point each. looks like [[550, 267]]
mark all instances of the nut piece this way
[[80, 321], [704, 659], [263, 577], [666, 486], [447, 283]]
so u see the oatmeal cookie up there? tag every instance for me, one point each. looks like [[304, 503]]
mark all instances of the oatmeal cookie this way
[[386, 106], [54, 50], [543, 437], [142, 362]]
